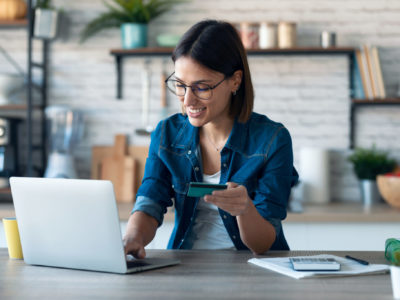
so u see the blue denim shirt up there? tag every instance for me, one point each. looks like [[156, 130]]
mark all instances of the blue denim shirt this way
[[258, 155]]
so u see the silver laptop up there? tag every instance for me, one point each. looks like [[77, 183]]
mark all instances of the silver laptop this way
[[73, 223]]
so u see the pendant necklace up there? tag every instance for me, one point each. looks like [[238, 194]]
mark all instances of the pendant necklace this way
[[208, 139]]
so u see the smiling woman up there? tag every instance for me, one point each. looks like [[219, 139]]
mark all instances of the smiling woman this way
[[216, 139]]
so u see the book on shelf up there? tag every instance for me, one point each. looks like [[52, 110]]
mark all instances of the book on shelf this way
[[363, 69], [358, 80], [368, 80], [378, 73], [371, 72]]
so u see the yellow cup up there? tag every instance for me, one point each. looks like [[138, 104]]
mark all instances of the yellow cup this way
[[12, 238]]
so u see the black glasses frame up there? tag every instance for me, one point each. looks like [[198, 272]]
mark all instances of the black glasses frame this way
[[192, 87]]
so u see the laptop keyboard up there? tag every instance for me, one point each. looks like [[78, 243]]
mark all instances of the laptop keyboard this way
[[136, 263]]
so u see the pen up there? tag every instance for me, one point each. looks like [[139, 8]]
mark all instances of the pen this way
[[363, 262]]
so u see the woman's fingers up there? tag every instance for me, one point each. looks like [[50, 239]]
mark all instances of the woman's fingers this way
[[134, 248], [234, 200]]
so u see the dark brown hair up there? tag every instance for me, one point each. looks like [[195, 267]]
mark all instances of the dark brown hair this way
[[217, 46]]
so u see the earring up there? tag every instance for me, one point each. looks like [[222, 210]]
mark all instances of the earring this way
[[234, 93]]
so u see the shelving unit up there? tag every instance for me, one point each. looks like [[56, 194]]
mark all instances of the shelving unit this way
[[14, 23], [120, 54], [30, 107], [356, 103]]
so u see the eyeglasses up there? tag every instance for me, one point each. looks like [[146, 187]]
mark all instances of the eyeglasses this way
[[202, 91]]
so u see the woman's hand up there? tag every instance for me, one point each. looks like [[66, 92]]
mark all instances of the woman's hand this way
[[133, 246], [233, 200]]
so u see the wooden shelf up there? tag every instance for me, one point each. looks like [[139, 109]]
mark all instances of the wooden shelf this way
[[13, 107], [14, 23], [152, 51], [385, 101], [18, 107]]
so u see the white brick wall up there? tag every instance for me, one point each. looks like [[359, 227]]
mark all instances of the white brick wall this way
[[309, 94]]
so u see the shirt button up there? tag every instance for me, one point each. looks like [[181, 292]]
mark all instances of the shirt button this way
[[173, 186], [190, 152], [196, 169], [234, 237], [181, 240], [225, 216], [224, 165]]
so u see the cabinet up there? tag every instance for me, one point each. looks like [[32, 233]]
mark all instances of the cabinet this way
[[121, 54], [29, 107]]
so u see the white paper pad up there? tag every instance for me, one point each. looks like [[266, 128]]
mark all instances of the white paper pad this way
[[348, 267]]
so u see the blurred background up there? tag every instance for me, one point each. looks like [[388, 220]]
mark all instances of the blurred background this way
[[310, 89]]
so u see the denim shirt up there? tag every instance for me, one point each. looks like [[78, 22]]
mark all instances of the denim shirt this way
[[258, 155]]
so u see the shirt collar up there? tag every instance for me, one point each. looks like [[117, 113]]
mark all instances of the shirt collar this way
[[188, 136]]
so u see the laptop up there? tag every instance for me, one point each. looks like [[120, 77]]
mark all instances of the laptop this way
[[73, 223]]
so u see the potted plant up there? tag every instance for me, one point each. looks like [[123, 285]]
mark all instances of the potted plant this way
[[46, 19], [367, 164], [132, 17]]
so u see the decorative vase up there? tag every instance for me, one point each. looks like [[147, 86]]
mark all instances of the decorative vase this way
[[45, 23], [134, 35], [369, 192]]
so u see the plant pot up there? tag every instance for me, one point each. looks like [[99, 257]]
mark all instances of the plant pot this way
[[134, 35], [45, 23], [369, 192]]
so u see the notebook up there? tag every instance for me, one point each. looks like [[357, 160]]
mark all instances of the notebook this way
[[283, 266], [73, 223]]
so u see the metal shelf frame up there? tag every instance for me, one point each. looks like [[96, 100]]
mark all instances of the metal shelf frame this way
[[357, 103], [120, 54], [29, 107]]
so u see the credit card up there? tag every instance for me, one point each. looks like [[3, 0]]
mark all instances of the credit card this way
[[200, 189]]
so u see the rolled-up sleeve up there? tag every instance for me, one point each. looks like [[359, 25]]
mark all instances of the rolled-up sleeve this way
[[277, 178], [155, 193]]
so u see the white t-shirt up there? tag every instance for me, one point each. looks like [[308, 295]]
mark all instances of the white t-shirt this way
[[208, 229]]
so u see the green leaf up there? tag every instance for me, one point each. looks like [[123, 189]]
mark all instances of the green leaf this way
[[368, 163], [127, 11]]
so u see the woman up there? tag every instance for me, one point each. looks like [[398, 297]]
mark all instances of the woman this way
[[217, 139]]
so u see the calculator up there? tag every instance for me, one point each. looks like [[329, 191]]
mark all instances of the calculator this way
[[314, 264]]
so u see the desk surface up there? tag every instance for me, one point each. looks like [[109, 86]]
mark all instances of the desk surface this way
[[201, 275]]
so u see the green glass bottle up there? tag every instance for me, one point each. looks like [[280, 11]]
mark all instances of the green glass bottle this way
[[392, 251]]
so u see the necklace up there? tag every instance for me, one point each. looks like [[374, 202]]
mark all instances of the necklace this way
[[218, 149]]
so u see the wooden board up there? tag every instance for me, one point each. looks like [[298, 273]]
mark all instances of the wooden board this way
[[119, 168], [138, 153]]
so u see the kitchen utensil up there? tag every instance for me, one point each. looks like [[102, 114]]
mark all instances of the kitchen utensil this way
[[314, 174], [9, 154], [120, 169], [249, 34], [327, 39], [267, 35], [138, 153], [9, 82], [65, 127], [146, 128], [286, 35]]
